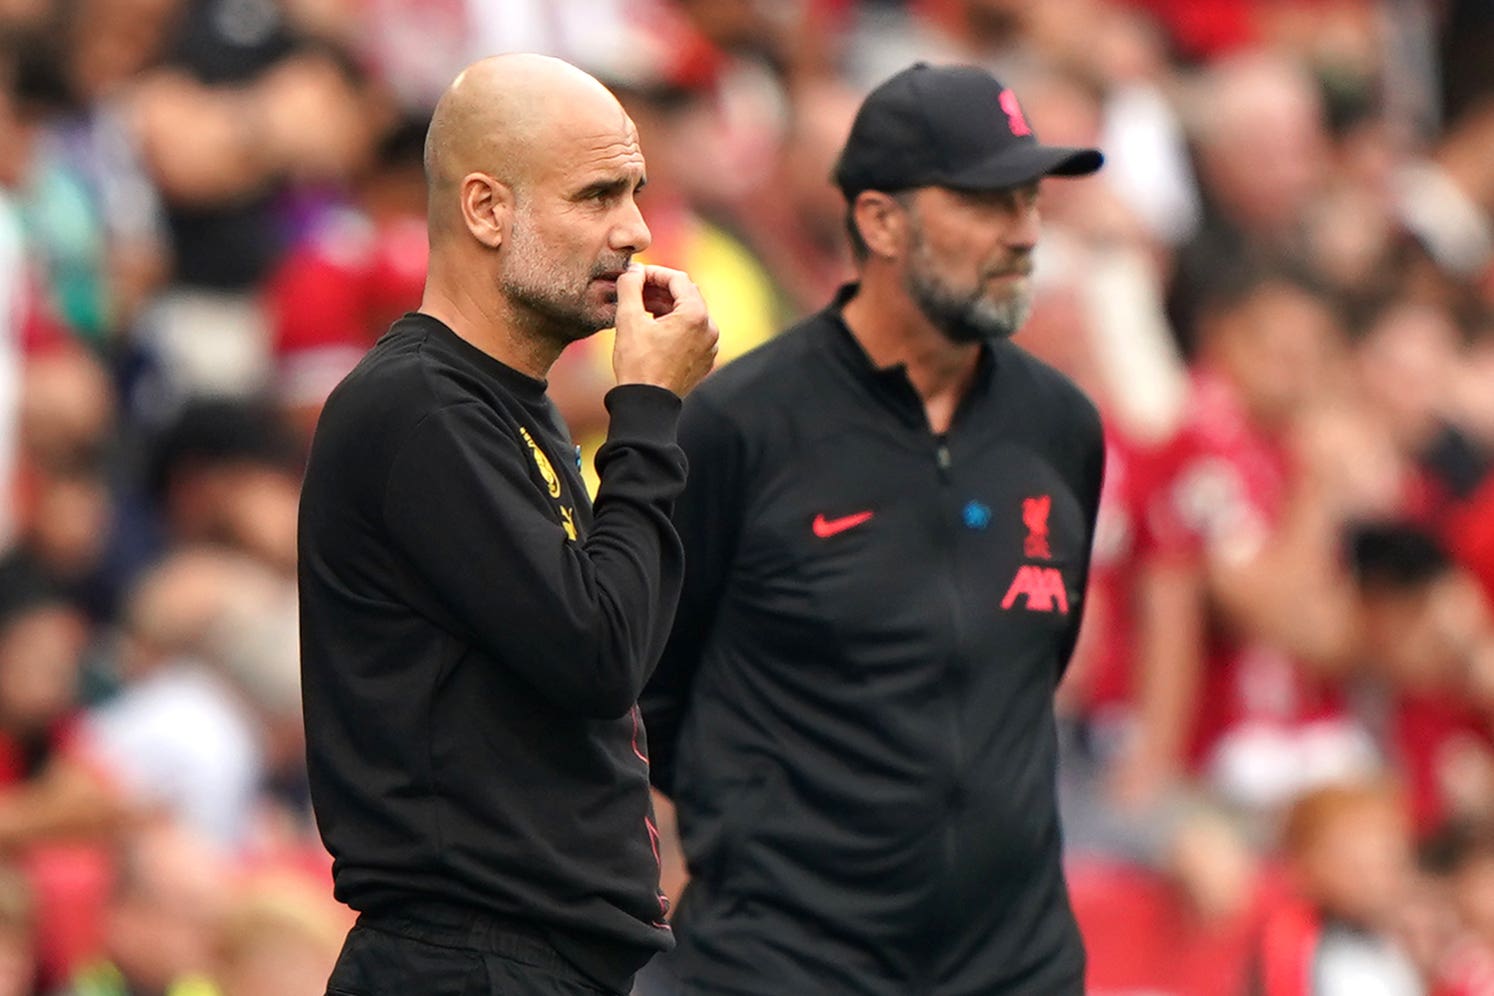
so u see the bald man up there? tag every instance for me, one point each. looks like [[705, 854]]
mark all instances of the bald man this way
[[475, 632]]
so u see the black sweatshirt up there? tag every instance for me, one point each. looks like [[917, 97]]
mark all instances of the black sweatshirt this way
[[854, 715], [474, 639]]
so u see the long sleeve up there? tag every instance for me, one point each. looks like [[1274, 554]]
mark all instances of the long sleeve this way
[[582, 621]]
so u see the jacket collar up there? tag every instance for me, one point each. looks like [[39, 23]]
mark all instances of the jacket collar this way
[[890, 385]]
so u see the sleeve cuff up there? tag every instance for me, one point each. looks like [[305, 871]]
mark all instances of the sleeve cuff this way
[[642, 412]]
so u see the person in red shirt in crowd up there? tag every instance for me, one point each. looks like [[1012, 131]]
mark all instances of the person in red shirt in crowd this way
[[1423, 625], [1407, 355], [1242, 540], [1348, 851], [163, 909], [1460, 956], [50, 796], [358, 269]]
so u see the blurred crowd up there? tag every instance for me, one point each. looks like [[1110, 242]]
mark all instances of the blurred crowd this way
[[1278, 758]]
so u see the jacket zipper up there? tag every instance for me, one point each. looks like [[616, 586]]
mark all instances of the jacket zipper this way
[[952, 689]]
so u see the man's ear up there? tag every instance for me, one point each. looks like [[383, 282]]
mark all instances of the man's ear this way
[[487, 204], [883, 222]]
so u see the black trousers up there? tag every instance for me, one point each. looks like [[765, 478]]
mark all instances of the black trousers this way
[[442, 955]]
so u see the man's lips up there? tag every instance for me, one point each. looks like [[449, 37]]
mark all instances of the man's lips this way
[[1020, 271]]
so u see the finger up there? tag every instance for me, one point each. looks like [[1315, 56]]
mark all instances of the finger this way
[[708, 360], [630, 293], [657, 301], [660, 276], [681, 288]]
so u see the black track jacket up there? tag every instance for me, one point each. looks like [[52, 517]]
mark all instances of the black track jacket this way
[[854, 714], [474, 639]]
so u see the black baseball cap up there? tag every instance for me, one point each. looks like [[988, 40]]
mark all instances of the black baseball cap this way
[[948, 126]]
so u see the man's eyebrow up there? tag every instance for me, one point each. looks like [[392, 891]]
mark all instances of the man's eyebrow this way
[[609, 187]]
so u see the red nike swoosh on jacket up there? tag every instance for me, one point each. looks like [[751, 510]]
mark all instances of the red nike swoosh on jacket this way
[[825, 528]]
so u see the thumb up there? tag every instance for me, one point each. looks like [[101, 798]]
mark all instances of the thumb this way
[[630, 294]]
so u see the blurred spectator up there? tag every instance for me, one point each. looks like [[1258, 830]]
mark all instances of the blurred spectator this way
[[797, 221], [188, 733], [1421, 628], [160, 920], [1462, 959], [1146, 155], [48, 789], [92, 213], [1407, 355], [224, 128], [280, 937], [358, 268], [228, 472], [41, 643], [1262, 150], [18, 927], [256, 646], [1186, 927], [67, 414], [1244, 527], [52, 800], [73, 527], [1349, 851]]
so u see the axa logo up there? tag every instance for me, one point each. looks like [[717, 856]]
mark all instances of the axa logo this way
[[1043, 587]]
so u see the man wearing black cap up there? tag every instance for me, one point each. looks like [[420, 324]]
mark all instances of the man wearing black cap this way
[[887, 530]]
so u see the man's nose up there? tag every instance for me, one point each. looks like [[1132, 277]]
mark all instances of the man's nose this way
[[1023, 228], [630, 234]]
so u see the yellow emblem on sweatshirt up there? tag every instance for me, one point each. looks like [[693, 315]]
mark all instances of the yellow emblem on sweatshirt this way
[[567, 522], [541, 461]]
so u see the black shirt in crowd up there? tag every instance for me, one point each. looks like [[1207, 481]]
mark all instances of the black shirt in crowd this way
[[474, 639], [854, 716]]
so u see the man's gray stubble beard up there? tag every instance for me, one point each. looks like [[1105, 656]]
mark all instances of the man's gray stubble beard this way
[[964, 319]]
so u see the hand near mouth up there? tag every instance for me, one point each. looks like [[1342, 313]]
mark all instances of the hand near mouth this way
[[665, 336]]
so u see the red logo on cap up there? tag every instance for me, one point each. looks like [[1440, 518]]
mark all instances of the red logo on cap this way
[[1014, 113]]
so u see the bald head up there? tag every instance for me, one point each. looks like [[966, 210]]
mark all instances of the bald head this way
[[499, 117]]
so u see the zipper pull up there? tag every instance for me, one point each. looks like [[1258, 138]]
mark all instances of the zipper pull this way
[[941, 456]]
